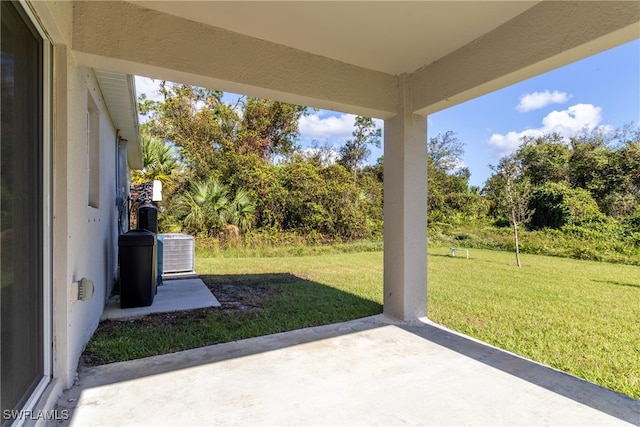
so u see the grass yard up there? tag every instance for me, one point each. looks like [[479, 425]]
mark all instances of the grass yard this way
[[260, 296], [582, 317]]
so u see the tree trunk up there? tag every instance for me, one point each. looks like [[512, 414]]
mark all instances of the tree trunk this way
[[515, 233]]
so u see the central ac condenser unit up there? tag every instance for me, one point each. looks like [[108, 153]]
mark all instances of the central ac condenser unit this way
[[178, 253]]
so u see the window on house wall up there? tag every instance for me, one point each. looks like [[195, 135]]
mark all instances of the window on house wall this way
[[93, 151]]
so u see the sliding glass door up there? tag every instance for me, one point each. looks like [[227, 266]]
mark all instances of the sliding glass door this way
[[22, 211]]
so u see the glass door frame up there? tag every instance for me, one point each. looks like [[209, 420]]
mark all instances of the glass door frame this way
[[47, 211]]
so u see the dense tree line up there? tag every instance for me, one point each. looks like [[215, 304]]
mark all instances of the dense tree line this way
[[592, 178], [231, 169], [235, 170], [576, 197]]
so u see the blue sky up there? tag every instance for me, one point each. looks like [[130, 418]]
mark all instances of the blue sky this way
[[599, 91], [602, 91]]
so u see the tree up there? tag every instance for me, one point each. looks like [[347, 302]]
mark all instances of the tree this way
[[592, 165], [212, 134], [556, 205], [195, 120], [355, 152], [441, 184], [448, 182], [269, 128], [513, 192], [544, 159], [320, 154], [608, 166], [445, 151], [204, 207], [229, 181], [160, 162], [625, 199], [242, 210]]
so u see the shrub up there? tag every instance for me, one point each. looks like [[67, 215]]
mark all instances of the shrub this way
[[556, 205]]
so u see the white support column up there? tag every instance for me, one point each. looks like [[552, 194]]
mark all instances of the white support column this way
[[405, 210]]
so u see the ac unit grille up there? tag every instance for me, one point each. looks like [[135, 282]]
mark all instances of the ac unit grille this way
[[177, 253]]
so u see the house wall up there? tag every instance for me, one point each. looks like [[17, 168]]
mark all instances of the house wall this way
[[91, 231], [84, 237]]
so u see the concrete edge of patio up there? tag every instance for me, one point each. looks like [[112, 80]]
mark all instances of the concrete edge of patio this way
[[591, 402], [600, 398], [154, 365]]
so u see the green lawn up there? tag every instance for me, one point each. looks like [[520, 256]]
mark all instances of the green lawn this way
[[295, 292], [356, 274], [582, 317]]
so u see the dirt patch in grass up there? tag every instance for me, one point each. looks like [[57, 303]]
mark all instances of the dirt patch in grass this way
[[234, 296]]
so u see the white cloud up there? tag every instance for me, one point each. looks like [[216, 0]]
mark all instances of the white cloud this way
[[316, 126], [567, 123], [537, 100], [148, 86], [459, 165], [507, 144], [325, 125], [327, 155]]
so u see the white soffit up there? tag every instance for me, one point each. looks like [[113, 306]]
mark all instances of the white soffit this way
[[393, 37], [119, 93]]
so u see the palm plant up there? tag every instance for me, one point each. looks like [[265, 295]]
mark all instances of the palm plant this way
[[205, 208], [242, 210], [159, 163]]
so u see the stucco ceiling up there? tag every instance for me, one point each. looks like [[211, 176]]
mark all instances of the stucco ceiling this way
[[348, 56], [392, 37]]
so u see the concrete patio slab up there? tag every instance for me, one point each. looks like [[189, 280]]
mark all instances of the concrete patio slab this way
[[364, 372], [173, 295]]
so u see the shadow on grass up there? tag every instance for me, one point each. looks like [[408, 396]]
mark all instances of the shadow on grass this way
[[252, 305], [613, 282], [254, 279], [303, 301]]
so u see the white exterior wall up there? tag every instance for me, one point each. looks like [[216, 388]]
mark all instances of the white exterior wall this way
[[84, 238], [91, 232]]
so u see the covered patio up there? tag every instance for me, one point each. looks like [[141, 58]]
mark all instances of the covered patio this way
[[397, 61], [371, 371]]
